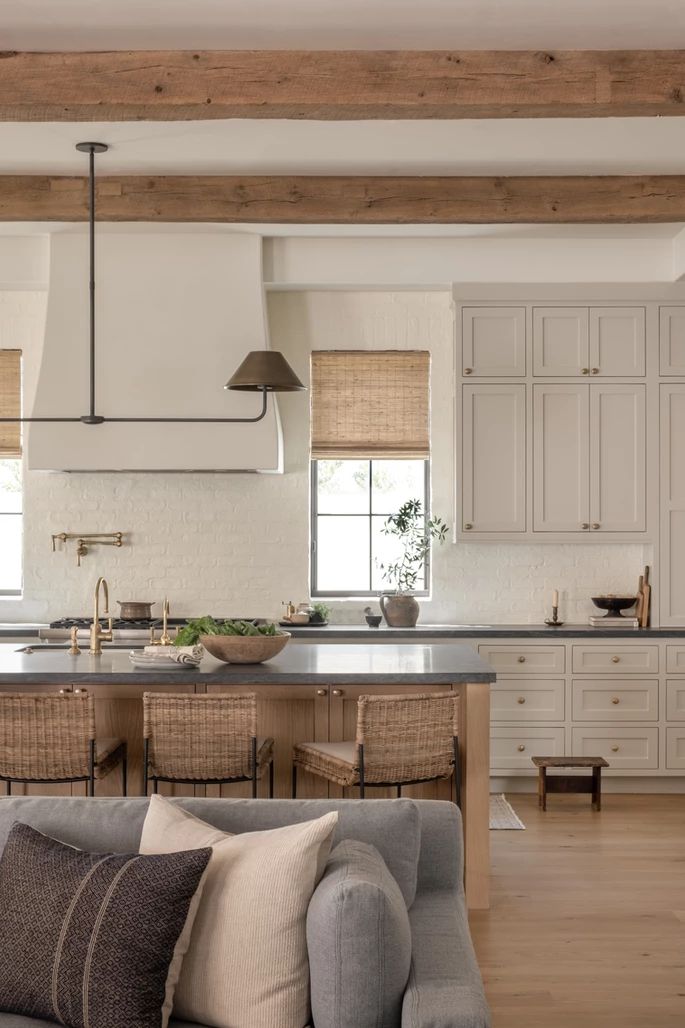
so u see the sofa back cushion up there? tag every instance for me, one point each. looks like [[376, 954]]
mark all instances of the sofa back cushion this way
[[359, 942], [392, 826]]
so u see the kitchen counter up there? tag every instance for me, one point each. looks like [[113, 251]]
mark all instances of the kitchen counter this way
[[305, 664], [333, 633], [20, 630]]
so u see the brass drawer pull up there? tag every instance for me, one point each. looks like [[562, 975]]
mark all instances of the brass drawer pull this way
[[614, 749], [615, 660], [80, 692], [468, 526], [585, 526], [521, 748], [468, 371], [522, 659], [585, 371], [596, 525], [615, 699], [337, 692], [521, 699], [595, 371], [321, 692]]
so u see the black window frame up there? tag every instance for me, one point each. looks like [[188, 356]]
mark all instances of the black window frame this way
[[347, 594]]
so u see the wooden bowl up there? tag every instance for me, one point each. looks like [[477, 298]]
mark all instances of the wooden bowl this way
[[244, 649]]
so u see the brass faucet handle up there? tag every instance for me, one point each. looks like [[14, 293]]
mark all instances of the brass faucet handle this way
[[154, 641], [74, 648]]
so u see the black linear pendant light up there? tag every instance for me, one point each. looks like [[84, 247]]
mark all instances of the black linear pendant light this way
[[262, 371]]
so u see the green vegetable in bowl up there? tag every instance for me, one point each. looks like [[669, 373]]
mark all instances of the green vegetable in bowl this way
[[190, 634]]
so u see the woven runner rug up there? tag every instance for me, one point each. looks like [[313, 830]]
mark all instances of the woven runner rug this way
[[502, 814]]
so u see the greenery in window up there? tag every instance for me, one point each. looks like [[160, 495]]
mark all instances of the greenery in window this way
[[415, 533]]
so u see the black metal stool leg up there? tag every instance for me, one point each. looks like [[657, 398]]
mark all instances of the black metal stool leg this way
[[457, 773], [8, 787], [271, 778], [293, 790], [124, 770]]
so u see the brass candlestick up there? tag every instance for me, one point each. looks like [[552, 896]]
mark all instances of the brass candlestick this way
[[554, 621]]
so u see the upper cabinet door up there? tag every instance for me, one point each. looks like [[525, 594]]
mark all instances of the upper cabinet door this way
[[617, 341], [672, 504], [672, 340], [561, 455], [561, 341], [493, 480], [617, 458], [494, 341]]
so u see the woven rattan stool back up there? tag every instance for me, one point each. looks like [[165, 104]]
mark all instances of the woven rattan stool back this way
[[407, 738]]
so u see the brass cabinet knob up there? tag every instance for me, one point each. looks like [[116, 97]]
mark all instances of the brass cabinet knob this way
[[595, 371], [66, 691], [615, 660], [522, 659], [80, 692], [585, 371], [321, 692], [614, 749], [596, 525], [468, 526], [521, 748], [615, 699], [468, 371], [521, 699], [337, 692], [585, 526]]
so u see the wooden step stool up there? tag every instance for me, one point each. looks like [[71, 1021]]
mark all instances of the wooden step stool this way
[[570, 783]]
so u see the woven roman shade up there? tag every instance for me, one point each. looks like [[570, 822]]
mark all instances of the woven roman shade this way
[[10, 402], [370, 404]]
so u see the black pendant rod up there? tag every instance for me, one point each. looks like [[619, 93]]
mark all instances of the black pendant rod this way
[[98, 419]]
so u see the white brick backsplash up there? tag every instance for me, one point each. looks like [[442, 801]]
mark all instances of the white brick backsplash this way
[[239, 543]]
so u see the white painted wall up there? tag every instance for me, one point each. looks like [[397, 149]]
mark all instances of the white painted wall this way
[[238, 544]]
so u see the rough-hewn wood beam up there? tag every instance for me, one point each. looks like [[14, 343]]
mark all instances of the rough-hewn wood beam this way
[[348, 200], [334, 85]]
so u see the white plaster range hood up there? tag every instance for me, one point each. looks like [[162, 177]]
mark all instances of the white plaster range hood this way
[[176, 314]]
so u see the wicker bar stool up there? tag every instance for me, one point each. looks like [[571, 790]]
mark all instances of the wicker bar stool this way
[[401, 740], [204, 740], [50, 737]]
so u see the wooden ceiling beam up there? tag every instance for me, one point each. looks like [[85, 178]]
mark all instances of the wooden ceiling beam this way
[[349, 200], [338, 85]]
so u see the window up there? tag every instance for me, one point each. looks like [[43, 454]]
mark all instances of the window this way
[[370, 444], [10, 526], [10, 475], [350, 501]]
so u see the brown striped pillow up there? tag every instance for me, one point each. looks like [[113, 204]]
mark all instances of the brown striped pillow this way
[[91, 940]]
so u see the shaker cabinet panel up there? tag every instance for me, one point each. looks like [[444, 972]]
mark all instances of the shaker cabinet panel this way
[[494, 341], [561, 454], [617, 458], [619, 700], [561, 341], [626, 748], [617, 341], [672, 503], [672, 340], [494, 458]]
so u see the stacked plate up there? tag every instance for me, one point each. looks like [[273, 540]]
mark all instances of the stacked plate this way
[[167, 658]]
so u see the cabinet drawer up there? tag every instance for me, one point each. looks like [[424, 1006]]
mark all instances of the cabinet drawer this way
[[675, 701], [632, 749], [675, 748], [616, 659], [538, 700], [615, 701], [513, 747], [675, 660], [529, 660]]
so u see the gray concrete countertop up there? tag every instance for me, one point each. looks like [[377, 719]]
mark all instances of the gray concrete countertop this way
[[304, 664], [20, 630], [567, 631]]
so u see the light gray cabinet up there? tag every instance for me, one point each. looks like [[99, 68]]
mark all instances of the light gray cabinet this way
[[494, 458]]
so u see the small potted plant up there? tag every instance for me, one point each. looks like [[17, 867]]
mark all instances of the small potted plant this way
[[415, 533]]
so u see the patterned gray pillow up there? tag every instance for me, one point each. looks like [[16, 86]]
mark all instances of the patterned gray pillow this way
[[87, 939]]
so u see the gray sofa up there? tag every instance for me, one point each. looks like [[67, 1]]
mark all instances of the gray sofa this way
[[421, 843]]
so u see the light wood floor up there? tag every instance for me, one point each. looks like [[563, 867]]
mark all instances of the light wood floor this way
[[587, 923]]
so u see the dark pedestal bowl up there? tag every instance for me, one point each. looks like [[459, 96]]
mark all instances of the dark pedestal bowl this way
[[613, 605]]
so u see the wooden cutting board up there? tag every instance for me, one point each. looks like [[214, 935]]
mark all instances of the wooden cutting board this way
[[646, 599]]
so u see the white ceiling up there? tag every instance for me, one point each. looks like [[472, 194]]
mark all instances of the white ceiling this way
[[354, 24], [610, 146]]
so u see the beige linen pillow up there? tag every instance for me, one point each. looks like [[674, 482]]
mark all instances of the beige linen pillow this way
[[246, 966]]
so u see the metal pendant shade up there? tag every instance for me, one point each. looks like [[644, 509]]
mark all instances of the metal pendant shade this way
[[266, 370]]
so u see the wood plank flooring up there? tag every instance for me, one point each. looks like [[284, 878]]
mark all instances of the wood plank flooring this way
[[587, 923]]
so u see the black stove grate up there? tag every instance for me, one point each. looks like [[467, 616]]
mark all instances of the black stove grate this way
[[144, 624]]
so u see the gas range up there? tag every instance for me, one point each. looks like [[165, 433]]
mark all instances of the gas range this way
[[123, 630]]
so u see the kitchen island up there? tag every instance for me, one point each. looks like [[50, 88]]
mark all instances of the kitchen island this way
[[308, 692]]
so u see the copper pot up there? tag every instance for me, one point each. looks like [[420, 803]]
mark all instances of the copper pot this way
[[135, 611]]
